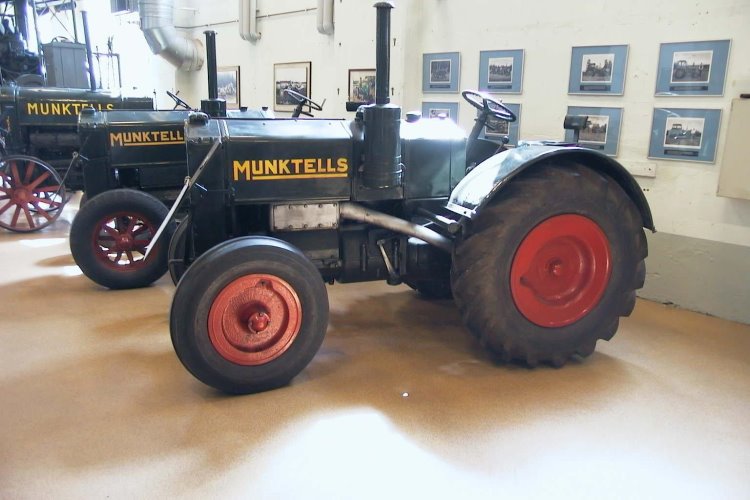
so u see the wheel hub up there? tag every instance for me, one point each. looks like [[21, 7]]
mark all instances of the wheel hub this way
[[254, 319], [21, 196], [560, 270]]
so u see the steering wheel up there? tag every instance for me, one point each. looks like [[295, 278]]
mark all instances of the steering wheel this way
[[302, 100], [178, 102], [489, 105]]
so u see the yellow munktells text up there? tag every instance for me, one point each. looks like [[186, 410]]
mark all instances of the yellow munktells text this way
[[64, 108], [293, 168], [146, 138]]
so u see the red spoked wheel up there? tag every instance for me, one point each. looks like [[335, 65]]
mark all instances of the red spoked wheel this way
[[254, 319], [32, 194], [120, 240], [560, 270], [109, 236]]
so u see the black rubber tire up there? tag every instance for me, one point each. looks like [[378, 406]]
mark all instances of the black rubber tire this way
[[209, 275], [436, 289], [176, 254], [483, 256], [87, 254]]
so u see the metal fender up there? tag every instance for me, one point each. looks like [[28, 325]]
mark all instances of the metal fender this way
[[489, 177]]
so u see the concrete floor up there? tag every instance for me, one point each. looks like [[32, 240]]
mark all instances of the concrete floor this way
[[399, 403]]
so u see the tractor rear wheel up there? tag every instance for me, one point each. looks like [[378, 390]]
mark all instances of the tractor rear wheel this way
[[550, 265], [32, 194], [249, 315], [109, 236]]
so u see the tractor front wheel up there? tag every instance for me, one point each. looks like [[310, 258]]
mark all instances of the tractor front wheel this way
[[550, 265], [249, 315], [109, 236]]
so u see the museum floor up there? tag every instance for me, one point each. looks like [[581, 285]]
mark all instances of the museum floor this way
[[399, 403]]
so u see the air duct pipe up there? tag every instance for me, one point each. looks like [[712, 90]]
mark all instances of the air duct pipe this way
[[249, 20], [158, 29], [325, 17]]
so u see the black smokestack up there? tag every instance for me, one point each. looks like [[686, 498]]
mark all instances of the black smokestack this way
[[213, 84], [383, 52]]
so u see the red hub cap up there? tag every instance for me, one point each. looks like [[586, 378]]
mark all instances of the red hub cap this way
[[120, 241], [560, 270], [254, 319]]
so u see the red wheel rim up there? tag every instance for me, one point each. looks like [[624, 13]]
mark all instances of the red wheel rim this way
[[30, 195], [254, 319], [560, 270], [120, 240]]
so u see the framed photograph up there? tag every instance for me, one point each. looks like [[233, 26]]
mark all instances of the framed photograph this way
[[362, 85], [497, 129], [602, 131], [441, 72], [598, 70], [293, 76], [501, 71], [446, 110], [684, 134], [692, 68], [228, 81]]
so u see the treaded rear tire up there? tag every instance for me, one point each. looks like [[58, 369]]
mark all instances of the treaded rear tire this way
[[486, 252]]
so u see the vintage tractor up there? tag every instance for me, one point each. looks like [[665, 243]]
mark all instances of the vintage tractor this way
[[134, 165], [541, 246]]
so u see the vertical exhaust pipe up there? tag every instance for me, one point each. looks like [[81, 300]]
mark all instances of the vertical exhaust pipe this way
[[382, 169], [383, 52], [213, 84], [213, 106], [89, 58]]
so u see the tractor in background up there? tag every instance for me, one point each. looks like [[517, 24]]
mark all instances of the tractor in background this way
[[542, 246]]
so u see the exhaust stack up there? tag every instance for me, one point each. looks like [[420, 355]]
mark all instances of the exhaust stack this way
[[382, 168], [213, 106]]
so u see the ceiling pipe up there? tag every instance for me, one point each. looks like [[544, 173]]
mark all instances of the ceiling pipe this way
[[158, 28], [249, 20], [325, 17]]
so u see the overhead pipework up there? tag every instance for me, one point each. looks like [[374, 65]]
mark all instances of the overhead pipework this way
[[158, 28], [325, 17], [249, 20]]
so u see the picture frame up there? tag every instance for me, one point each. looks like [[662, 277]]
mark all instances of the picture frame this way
[[362, 85], [501, 71], [228, 83], [503, 128], [435, 109], [692, 68], [598, 69], [295, 76], [685, 134], [602, 132], [441, 72]]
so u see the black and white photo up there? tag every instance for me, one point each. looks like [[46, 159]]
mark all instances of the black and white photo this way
[[595, 130], [228, 82], [684, 132], [694, 66], [292, 76], [597, 68], [500, 69], [440, 71]]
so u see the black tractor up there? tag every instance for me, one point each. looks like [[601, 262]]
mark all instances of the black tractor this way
[[542, 246]]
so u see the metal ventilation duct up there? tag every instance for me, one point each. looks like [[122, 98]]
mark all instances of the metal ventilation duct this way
[[158, 28], [325, 17], [249, 20]]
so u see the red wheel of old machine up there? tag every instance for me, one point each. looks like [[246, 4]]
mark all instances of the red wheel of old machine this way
[[254, 319], [31, 194], [560, 270], [120, 240]]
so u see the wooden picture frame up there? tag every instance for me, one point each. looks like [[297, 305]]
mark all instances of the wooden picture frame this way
[[228, 82], [362, 85], [295, 76]]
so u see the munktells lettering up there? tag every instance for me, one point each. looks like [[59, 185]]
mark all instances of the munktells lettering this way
[[292, 168], [147, 138], [53, 108]]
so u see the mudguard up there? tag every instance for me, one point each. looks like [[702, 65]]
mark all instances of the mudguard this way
[[489, 177]]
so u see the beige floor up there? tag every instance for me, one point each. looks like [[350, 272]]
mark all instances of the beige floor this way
[[399, 403]]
